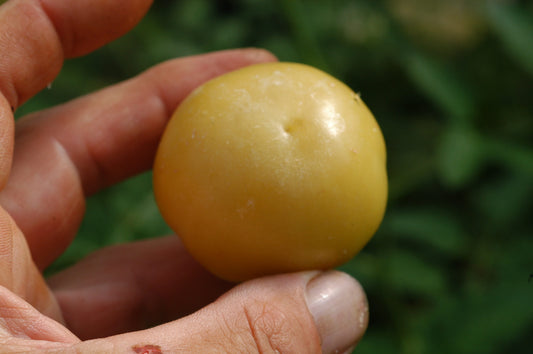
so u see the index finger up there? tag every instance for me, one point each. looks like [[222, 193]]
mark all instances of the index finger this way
[[35, 38]]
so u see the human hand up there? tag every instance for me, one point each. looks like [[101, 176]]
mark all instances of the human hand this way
[[59, 156]]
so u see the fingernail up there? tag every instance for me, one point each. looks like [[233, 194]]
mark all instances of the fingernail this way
[[340, 310]]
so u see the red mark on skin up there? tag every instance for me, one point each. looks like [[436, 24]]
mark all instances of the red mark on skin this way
[[147, 349]]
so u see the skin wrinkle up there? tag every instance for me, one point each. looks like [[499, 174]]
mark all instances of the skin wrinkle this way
[[7, 248], [25, 279], [127, 124], [79, 201], [262, 325], [159, 97], [237, 334], [96, 146], [97, 170], [67, 38], [26, 326], [267, 327], [252, 329]]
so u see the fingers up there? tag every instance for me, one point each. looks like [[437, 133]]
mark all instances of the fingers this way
[[23, 327], [80, 147], [19, 274], [130, 287], [38, 34], [114, 133], [295, 313], [84, 25]]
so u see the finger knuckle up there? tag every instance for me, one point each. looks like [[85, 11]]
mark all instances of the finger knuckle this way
[[273, 329]]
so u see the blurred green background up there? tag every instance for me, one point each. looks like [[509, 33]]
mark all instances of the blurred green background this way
[[451, 85]]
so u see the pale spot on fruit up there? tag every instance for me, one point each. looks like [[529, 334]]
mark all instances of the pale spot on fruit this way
[[249, 206], [332, 119]]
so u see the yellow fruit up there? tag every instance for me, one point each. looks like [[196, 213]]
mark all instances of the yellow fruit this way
[[272, 168]]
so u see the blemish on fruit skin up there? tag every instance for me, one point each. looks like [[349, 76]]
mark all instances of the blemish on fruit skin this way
[[147, 349]]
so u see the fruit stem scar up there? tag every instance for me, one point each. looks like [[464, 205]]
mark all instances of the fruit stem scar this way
[[292, 125], [147, 349]]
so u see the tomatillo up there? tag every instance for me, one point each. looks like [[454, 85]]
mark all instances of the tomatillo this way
[[272, 168]]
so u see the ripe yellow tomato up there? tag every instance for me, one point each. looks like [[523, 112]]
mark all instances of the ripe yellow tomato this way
[[272, 168]]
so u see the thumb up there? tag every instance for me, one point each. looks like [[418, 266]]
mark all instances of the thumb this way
[[306, 312]]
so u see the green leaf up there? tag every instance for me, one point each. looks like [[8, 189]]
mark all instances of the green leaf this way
[[504, 200], [376, 342], [408, 274], [483, 324], [514, 156], [436, 228], [460, 156], [514, 26], [230, 33], [297, 13], [193, 14], [441, 84]]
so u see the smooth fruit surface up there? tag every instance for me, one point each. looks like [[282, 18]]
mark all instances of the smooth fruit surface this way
[[272, 168]]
